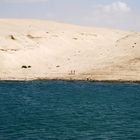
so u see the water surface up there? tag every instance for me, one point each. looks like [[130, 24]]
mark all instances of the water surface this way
[[58, 110]]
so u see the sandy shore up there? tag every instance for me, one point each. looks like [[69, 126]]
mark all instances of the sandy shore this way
[[33, 49]]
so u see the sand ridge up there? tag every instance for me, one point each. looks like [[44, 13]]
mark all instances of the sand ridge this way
[[38, 49]]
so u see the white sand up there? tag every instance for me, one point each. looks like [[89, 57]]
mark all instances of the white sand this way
[[62, 51]]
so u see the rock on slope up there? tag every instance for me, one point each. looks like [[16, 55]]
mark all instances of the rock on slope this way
[[31, 49]]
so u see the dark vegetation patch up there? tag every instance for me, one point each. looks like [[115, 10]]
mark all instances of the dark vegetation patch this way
[[25, 67], [32, 37], [57, 66], [6, 50], [12, 37], [75, 38]]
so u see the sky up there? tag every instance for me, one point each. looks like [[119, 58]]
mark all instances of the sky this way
[[121, 14]]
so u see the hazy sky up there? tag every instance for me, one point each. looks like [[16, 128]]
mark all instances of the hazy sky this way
[[123, 14]]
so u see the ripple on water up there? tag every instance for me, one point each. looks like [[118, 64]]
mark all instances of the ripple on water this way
[[59, 110]]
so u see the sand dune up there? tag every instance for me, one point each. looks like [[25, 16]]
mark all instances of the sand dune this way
[[33, 49]]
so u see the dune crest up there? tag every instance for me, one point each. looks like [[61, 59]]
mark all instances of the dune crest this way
[[33, 49]]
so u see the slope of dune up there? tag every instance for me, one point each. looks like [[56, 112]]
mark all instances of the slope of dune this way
[[33, 49]]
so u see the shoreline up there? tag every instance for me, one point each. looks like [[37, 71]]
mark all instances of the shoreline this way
[[66, 80]]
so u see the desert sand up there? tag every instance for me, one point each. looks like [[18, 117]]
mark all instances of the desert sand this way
[[38, 49]]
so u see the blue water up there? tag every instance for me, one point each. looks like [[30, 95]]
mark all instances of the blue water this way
[[58, 110]]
